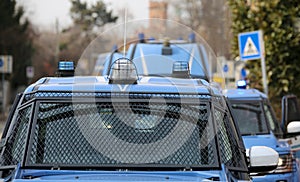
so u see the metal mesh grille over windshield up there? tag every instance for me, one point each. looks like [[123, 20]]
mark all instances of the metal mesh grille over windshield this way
[[110, 133]]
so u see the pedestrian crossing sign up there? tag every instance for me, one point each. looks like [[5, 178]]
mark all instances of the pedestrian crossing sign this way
[[250, 45]]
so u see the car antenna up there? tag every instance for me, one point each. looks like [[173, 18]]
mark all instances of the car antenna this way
[[125, 22]]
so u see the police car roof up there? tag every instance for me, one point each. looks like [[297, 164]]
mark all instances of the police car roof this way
[[244, 94], [144, 84]]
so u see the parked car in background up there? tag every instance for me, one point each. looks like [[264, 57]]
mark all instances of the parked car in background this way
[[157, 57], [259, 127]]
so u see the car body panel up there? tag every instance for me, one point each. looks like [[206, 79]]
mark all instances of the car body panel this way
[[268, 140], [115, 176]]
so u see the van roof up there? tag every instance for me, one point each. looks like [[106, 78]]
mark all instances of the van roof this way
[[244, 94], [144, 84]]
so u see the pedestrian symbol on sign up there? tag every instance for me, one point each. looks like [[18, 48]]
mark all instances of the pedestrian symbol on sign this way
[[250, 48], [250, 45]]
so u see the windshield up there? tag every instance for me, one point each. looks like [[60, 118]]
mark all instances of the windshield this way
[[250, 118], [119, 134], [147, 56]]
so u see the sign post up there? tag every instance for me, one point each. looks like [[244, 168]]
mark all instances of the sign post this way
[[251, 46]]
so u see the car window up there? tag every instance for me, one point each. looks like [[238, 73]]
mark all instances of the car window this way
[[273, 123], [250, 118]]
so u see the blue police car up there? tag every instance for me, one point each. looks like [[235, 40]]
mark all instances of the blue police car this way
[[259, 127]]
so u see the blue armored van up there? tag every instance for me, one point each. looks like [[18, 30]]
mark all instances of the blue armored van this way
[[124, 127]]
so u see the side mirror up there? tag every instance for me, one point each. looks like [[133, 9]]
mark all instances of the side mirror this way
[[262, 159], [293, 127]]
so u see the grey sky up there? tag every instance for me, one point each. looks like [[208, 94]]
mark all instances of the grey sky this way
[[43, 13]]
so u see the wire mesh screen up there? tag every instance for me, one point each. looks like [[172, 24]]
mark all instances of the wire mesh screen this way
[[230, 152], [123, 133], [15, 147], [64, 95]]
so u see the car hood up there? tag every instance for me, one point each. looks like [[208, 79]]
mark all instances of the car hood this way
[[118, 176], [268, 140]]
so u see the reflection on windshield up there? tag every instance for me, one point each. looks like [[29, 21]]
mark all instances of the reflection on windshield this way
[[148, 56], [147, 65], [250, 118], [273, 123]]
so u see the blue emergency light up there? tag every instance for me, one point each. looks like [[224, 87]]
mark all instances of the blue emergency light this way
[[66, 65], [141, 37], [65, 68], [180, 66], [192, 38], [180, 69]]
